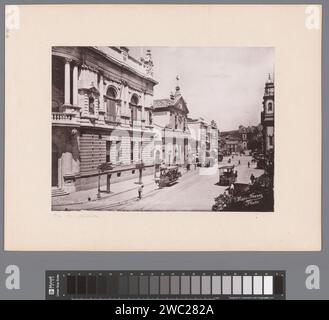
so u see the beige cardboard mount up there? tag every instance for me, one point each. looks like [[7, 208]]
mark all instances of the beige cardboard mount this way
[[296, 223]]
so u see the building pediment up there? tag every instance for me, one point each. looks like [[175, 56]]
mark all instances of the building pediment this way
[[180, 105]]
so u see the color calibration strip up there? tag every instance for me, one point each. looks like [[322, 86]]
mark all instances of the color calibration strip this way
[[165, 284]]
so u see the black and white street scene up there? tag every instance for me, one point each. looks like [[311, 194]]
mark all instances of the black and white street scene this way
[[163, 129]]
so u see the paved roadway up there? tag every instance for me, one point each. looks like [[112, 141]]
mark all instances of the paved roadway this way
[[195, 191]]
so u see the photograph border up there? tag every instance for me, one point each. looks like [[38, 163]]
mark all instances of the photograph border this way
[[34, 264]]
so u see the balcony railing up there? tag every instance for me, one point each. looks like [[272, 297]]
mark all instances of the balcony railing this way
[[62, 116], [59, 118]]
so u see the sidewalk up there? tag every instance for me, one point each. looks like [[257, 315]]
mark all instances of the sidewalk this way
[[120, 191]]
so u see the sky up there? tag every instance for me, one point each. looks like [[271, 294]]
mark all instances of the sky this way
[[218, 83]]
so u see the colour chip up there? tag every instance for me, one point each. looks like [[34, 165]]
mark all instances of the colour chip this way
[[143, 285], [237, 285], [185, 285], [154, 285], [71, 285], [123, 285], [91, 285], [133, 285], [101, 285], [174, 284], [258, 285], [227, 287], [278, 285], [268, 284], [205, 284], [113, 285], [82, 285], [164, 284], [216, 285], [247, 285], [195, 284]]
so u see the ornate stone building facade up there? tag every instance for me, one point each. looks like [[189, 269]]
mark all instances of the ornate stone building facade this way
[[101, 113], [204, 140]]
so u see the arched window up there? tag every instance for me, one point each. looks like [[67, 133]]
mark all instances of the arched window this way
[[270, 106], [111, 93], [110, 104], [134, 100]]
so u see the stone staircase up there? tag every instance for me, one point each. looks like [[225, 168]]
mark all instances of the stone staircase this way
[[58, 192]]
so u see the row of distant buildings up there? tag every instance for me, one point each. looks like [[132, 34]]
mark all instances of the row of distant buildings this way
[[258, 138], [241, 140], [103, 112]]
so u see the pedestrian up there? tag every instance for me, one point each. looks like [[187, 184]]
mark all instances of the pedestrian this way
[[239, 162], [231, 191], [252, 179], [248, 164], [140, 190]]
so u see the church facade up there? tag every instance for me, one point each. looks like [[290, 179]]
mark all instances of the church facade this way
[[170, 123]]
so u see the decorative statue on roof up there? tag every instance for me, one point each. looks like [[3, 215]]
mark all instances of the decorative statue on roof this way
[[148, 63]]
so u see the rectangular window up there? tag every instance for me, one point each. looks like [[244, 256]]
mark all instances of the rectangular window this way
[[91, 101], [270, 141], [131, 151], [134, 113], [270, 106], [139, 114], [146, 118], [108, 151], [118, 151], [150, 117]]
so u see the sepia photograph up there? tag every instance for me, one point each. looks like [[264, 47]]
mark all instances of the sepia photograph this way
[[163, 129]]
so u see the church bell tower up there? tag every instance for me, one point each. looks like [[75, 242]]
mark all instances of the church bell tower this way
[[267, 117]]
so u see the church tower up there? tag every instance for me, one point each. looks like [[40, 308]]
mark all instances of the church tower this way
[[267, 116]]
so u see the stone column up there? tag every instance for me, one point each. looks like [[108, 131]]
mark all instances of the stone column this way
[[67, 82], [75, 85]]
